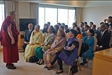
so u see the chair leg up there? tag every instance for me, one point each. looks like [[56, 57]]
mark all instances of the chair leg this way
[[69, 72], [79, 65]]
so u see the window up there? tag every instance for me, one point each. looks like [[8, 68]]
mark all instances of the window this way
[[71, 17], [55, 15], [51, 15], [63, 16], [1, 14], [41, 17]]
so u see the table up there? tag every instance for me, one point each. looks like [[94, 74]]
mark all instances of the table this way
[[102, 62]]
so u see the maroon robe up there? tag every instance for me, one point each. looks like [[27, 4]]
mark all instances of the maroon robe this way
[[10, 51]]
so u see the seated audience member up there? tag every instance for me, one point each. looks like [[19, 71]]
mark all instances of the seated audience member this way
[[94, 28], [63, 24], [48, 23], [79, 35], [109, 20], [86, 28], [35, 41], [69, 53], [59, 24], [102, 23], [57, 45], [45, 28], [27, 35], [89, 40], [103, 38], [82, 27], [85, 23], [61, 27], [91, 24], [46, 45], [56, 27], [66, 29], [74, 25], [107, 26]]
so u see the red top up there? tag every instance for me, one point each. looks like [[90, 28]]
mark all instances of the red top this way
[[5, 39]]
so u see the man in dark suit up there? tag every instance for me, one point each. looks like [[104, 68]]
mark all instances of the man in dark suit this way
[[27, 35], [103, 38]]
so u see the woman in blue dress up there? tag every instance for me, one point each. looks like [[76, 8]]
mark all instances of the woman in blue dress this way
[[89, 40]]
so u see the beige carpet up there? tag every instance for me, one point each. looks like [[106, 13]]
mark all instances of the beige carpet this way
[[24, 68]]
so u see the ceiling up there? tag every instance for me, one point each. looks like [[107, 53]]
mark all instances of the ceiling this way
[[72, 3]]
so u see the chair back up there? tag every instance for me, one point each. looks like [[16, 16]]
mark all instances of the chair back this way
[[95, 43], [80, 45]]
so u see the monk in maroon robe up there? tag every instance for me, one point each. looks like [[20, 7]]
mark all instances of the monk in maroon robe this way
[[9, 40]]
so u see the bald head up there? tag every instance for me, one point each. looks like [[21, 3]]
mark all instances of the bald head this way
[[30, 26], [12, 14]]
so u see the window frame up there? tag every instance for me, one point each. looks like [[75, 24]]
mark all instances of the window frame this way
[[59, 7]]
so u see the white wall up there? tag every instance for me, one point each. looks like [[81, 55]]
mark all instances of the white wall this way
[[96, 14], [24, 10]]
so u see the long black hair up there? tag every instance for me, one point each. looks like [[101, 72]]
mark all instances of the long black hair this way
[[52, 29]]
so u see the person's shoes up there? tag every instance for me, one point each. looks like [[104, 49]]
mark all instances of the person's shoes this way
[[41, 63], [11, 64], [37, 62], [45, 67], [50, 68], [11, 67], [59, 72], [82, 63]]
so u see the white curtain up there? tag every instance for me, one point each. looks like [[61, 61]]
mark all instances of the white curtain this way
[[12, 6], [78, 15], [34, 11]]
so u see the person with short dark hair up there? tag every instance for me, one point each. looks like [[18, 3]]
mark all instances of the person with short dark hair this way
[[103, 38], [107, 26], [94, 28], [74, 25], [82, 27], [66, 29], [63, 24], [59, 24], [48, 23], [85, 23], [61, 27], [36, 39], [91, 24], [89, 40], [86, 28], [9, 41], [27, 35]]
